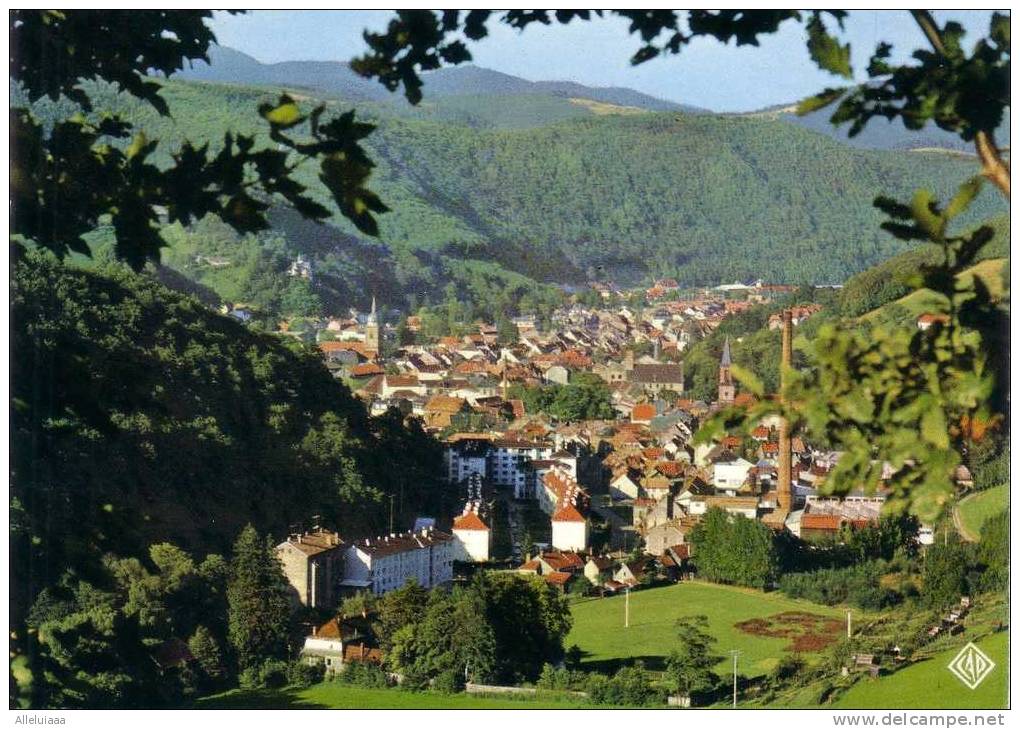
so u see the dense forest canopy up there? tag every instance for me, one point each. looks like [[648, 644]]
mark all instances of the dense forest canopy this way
[[140, 416]]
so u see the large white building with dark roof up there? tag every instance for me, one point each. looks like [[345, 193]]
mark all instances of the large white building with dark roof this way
[[381, 564]]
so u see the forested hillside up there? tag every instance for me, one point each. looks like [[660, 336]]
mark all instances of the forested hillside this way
[[871, 292], [700, 197], [879, 133], [140, 416], [886, 282]]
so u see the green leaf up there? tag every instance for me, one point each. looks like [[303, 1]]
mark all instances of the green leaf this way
[[826, 51], [819, 101], [136, 146], [751, 382], [963, 197], [999, 30], [934, 428], [284, 115], [921, 205]]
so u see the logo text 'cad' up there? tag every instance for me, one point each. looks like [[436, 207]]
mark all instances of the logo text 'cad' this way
[[971, 665]]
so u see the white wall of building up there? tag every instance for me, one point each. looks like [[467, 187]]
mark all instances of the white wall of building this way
[[472, 545], [570, 535], [730, 475]]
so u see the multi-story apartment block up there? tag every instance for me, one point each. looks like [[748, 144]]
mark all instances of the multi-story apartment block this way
[[381, 564], [502, 462]]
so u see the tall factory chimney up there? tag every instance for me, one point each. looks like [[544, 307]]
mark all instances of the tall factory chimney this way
[[785, 487]]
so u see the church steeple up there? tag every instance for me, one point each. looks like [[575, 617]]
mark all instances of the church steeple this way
[[727, 389], [372, 332]]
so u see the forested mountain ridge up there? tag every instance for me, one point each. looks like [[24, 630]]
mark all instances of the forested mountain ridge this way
[[334, 78], [703, 198]]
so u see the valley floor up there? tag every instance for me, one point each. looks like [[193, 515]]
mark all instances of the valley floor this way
[[763, 627]]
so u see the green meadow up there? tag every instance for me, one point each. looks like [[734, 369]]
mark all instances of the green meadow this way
[[337, 695], [975, 509], [600, 633], [930, 685]]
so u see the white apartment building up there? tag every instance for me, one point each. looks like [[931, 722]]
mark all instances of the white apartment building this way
[[381, 564], [502, 462], [510, 465]]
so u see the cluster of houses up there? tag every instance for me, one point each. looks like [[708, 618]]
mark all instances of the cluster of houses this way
[[639, 474], [580, 473], [458, 380], [608, 573]]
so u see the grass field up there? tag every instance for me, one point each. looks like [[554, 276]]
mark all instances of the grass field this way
[[930, 685], [598, 625], [336, 695], [978, 507]]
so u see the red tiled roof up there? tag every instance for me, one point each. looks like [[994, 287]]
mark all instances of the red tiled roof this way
[[401, 381], [329, 629], [567, 513], [334, 346], [366, 369], [470, 521], [682, 551], [670, 469], [360, 653], [444, 404], [826, 522], [643, 411], [563, 560]]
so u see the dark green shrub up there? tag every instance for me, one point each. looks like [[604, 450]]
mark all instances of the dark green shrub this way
[[274, 674], [304, 674], [364, 674], [250, 679], [631, 686], [857, 585], [788, 666], [449, 681]]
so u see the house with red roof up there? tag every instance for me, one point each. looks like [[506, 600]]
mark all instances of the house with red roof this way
[[642, 413], [472, 536], [569, 529]]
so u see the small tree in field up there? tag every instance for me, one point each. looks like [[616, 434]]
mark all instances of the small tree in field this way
[[689, 666]]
